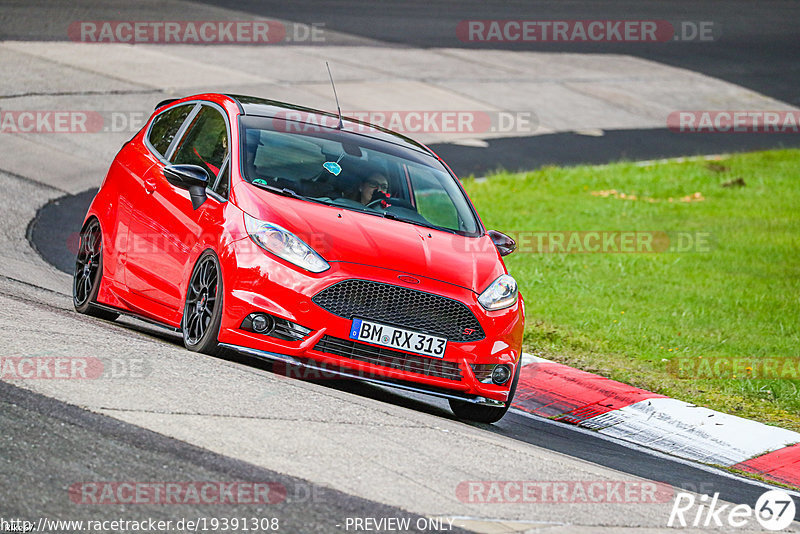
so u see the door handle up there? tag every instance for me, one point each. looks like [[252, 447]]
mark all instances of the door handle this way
[[149, 186]]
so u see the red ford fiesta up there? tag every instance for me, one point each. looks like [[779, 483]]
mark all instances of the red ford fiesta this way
[[285, 233]]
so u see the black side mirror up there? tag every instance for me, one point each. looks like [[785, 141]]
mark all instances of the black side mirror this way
[[191, 177], [505, 245]]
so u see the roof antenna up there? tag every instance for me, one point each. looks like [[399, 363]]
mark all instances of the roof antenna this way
[[341, 124]]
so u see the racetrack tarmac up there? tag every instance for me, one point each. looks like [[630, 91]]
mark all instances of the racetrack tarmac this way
[[540, 433], [364, 451]]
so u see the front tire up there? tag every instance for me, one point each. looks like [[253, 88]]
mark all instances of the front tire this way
[[202, 313], [88, 272], [478, 413]]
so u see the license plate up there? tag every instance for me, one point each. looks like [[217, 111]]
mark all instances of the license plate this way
[[398, 338]]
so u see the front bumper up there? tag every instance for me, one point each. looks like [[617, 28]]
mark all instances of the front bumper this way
[[317, 370], [259, 283]]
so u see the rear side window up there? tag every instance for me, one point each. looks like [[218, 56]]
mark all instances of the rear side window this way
[[205, 142], [166, 125]]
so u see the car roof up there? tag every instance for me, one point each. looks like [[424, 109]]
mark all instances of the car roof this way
[[262, 107]]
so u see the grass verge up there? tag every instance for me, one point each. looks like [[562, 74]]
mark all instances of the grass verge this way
[[699, 315]]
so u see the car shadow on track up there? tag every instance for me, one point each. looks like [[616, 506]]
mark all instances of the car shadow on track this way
[[353, 387]]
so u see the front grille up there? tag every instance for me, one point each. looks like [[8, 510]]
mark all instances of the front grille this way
[[402, 307], [384, 357]]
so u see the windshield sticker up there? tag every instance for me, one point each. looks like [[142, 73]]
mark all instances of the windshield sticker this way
[[332, 167], [260, 181]]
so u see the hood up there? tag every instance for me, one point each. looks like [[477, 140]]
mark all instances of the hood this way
[[341, 235]]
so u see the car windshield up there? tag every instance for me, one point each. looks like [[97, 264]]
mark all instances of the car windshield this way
[[355, 172]]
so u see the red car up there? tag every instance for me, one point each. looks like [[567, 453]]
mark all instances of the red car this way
[[289, 234]]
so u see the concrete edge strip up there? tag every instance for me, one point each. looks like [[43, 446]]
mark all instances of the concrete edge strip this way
[[562, 393]]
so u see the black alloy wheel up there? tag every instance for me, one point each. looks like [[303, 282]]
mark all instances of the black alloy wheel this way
[[89, 272], [202, 313]]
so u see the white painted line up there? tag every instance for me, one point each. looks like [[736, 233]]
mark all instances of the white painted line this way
[[528, 358], [590, 132], [682, 159], [475, 143], [653, 452], [483, 525], [691, 431]]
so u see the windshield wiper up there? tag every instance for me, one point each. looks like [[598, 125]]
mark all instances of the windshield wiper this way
[[291, 193], [285, 191]]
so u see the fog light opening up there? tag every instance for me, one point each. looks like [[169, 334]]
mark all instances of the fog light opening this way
[[277, 327], [501, 374]]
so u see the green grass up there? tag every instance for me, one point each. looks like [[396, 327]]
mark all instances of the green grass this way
[[626, 316]]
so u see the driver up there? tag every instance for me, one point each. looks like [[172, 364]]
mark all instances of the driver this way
[[373, 187]]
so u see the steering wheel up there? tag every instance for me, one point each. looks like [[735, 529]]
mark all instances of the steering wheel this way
[[399, 202]]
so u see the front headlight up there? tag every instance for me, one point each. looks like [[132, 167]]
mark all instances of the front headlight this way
[[284, 244], [500, 294]]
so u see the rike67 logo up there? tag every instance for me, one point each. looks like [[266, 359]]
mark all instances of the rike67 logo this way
[[774, 510]]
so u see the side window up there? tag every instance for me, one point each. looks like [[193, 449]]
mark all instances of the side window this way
[[205, 142], [166, 125]]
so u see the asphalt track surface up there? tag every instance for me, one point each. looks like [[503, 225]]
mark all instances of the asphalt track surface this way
[[569, 148], [47, 445], [48, 232], [754, 45], [91, 447]]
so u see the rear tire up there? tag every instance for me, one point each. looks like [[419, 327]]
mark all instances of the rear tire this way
[[477, 413], [202, 313], [88, 272]]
